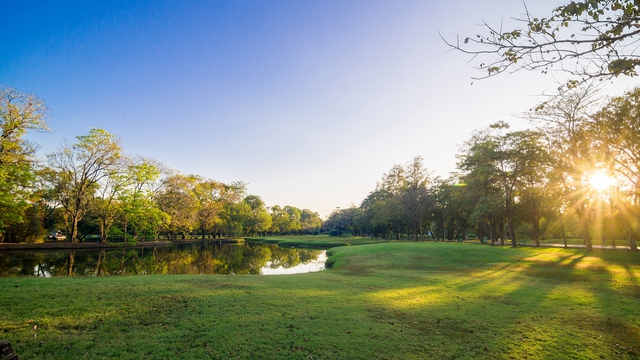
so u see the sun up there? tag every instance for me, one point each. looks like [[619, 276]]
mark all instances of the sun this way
[[600, 181]]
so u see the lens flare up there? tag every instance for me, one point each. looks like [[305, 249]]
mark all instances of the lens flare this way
[[600, 181]]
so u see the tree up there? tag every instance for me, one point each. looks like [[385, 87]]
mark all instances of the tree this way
[[565, 122], [19, 113], [415, 196], [617, 125], [375, 213], [137, 210], [586, 39], [294, 218], [502, 165], [234, 212], [209, 194], [259, 220], [310, 221], [279, 220], [177, 199], [104, 204], [80, 168]]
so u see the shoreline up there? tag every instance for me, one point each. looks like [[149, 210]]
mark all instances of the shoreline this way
[[73, 246], [66, 245]]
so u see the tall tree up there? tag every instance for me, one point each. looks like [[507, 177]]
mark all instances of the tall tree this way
[[259, 220], [137, 210], [415, 196], [209, 194], [502, 164], [19, 113], [617, 126], [177, 199], [310, 221], [565, 122], [80, 167]]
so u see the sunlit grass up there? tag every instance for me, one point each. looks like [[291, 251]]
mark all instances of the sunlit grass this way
[[392, 301], [317, 241], [607, 243]]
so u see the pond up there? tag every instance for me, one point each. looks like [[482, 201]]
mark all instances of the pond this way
[[206, 257]]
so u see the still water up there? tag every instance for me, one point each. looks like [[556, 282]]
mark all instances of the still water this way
[[208, 257]]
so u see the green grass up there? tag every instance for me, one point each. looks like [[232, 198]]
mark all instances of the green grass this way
[[388, 301], [575, 242], [317, 241]]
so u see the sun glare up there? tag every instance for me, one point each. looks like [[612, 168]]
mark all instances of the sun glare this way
[[600, 181]]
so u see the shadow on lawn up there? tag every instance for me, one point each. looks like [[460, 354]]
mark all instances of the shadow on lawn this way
[[535, 308]]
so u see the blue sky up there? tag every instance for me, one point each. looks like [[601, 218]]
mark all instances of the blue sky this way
[[309, 102]]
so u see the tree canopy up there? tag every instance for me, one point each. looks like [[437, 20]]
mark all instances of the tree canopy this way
[[585, 39]]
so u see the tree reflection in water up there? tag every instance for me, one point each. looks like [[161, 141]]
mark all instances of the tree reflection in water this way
[[208, 257]]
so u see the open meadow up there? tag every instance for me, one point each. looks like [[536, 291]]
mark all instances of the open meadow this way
[[391, 301]]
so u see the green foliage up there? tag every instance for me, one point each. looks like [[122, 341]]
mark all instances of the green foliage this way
[[19, 113], [587, 39], [77, 172]]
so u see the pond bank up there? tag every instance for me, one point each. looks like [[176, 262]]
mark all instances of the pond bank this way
[[65, 245]]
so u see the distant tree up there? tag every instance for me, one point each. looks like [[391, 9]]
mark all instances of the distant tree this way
[[501, 164], [310, 221], [79, 169], [586, 39], [340, 221], [279, 220], [259, 220], [376, 213], [416, 196], [566, 123], [137, 210], [234, 212], [19, 113], [294, 225], [617, 126], [177, 199], [209, 194]]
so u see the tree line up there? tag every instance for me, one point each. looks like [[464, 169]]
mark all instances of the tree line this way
[[91, 187], [574, 174]]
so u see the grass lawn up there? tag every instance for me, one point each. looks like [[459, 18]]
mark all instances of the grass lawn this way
[[391, 301], [317, 241], [608, 243]]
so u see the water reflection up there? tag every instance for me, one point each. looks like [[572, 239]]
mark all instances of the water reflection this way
[[194, 258]]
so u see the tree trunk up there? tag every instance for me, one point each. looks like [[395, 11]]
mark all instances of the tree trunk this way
[[103, 232], [493, 237], [631, 240], [564, 237], [101, 258], [536, 230], [72, 256], [512, 232], [74, 229]]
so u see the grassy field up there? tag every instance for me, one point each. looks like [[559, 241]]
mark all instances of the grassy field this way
[[576, 242], [391, 301], [317, 241]]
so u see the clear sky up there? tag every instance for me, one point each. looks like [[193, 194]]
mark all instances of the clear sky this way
[[309, 102]]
